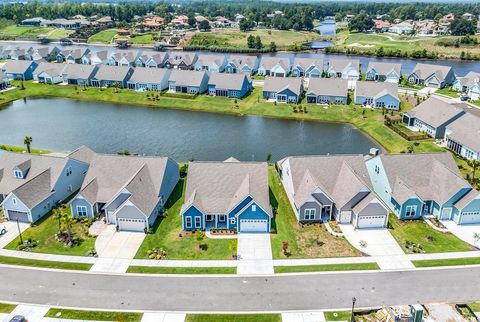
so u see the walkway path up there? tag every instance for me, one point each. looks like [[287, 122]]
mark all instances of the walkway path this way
[[303, 317], [30, 312], [255, 253], [163, 317], [466, 233], [12, 231]]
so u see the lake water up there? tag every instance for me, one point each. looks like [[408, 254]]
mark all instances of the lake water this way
[[328, 28], [63, 125]]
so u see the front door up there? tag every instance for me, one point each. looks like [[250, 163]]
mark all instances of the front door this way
[[446, 214]]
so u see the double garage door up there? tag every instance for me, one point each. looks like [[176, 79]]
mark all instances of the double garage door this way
[[371, 221], [253, 225], [470, 218], [127, 224], [21, 216]]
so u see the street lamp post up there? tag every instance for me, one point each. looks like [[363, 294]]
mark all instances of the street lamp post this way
[[353, 310], [19, 232]]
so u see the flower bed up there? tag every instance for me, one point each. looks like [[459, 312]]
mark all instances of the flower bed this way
[[222, 232], [156, 253], [437, 223]]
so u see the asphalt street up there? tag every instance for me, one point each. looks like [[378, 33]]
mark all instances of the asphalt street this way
[[236, 293]]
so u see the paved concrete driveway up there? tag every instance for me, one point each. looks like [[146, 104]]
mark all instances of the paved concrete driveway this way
[[12, 231], [464, 232], [443, 312], [255, 253]]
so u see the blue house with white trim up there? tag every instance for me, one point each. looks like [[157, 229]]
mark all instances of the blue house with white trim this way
[[307, 67], [377, 95], [242, 64], [229, 85], [227, 195], [19, 69]]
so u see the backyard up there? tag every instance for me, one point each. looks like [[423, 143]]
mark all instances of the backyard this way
[[143, 39], [24, 31], [104, 36], [307, 241]]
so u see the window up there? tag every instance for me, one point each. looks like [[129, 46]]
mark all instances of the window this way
[[198, 222], [70, 188], [14, 201], [410, 211], [254, 207], [188, 222], [222, 218], [82, 211], [309, 214], [18, 174], [377, 169], [233, 221], [69, 171]]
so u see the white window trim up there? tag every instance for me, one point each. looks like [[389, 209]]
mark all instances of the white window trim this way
[[309, 213], [188, 222], [414, 211], [81, 212], [233, 220], [254, 207], [18, 174], [198, 221]]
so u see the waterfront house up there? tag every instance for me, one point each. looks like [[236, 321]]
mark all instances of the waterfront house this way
[[19, 69], [107, 76], [96, 57], [283, 90], [468, 84], [31, 185], [17, 53], [48, 73], [431, 75], [149, 79], [78, 74], [4, 81], [384, 72], [377, 95], [188, 81], [130, 191], [274, 66], [212, 63], [332, 187], [433, 115], [403, 28], [47, 53], [307, 67], [227, 195], [229, 85], [327, 91], [344, 68], [463, 135], [123, 58], [242, 64], [181, 60], [151, 59], [72, 56], [414, 185]]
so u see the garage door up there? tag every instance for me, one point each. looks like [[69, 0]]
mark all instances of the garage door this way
[[279, 75], [127, 224], [470, 217], [253, 226], [371, 221], [21, 216]]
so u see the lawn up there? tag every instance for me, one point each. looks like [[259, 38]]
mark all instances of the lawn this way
[[181, 270], [44, 233], [8, 260], [418, 232], [309, 241], [21, 149], [104, 36], [93, 315], [24, 31], [143, 39], [447, 262], [326, 268], [466, 169], [474, 306], [167, 230], [7, 308], [338, 315], [59, 33], [233, 318], [448, 91]]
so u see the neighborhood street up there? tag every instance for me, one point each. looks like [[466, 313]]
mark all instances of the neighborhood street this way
[[232, 293]]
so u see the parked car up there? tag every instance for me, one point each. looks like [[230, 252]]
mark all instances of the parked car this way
[[18, 318], [464, 98]]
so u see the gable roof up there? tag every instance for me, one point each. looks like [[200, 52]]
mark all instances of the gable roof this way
[[101, 54], [305, 63], [217, 187], [423, 71], [466, 131], [129, 55], [78, 71], [328, 86], [228, 81], [270, 62], [466, 199], [51, 69], [112, 73], [76, 53], [16, 66], [376, 89], [470, 79], [147, 75], [187, 77], [341, 64], [278, 84], [156, 56], [176, 58], [207, 59], [436, 111], [241, 60], [384, 68]]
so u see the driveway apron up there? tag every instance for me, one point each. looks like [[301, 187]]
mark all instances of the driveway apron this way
[[255, 254]]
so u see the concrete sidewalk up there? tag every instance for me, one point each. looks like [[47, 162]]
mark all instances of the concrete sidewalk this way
[[303, 317]]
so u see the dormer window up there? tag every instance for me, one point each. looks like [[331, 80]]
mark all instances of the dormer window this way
[[254, 207], [18, 174], [69, 171]]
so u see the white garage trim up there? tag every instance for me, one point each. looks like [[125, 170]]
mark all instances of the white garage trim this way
[[130, 224], [375, 221], [254, 225], [471, 217]]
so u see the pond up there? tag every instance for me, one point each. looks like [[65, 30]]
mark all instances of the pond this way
[[63, 125]]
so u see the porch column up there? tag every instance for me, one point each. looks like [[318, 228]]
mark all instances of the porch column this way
[[216, 221], [331, 207]]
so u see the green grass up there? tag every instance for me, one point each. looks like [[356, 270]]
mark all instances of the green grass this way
[[303, 241], [181, 270], [104, 36], [447, 262], [44, 233], [59, 33], [24, 31], [338, 315], [448, 91], [326, 268], [233, 318], [143, 39], [166, 235], [93, 315], [21, 149], [417, 231], [7, 260], [474, 306], [7, 308]]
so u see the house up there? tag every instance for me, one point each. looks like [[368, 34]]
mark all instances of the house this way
[[307, 67], [433, 115], [344, 68], [123, 58], [17, 54], [32, 21], [48, 73], [19, 69], [45, 53], [242, 64], [462, 136], [151, 59], [188, 81], [381, 26], [283, 90], [96, 57], [106, 21], [149, 79], [130, 191], [384, 72], [469, 84], [107, 76], [229, 85], [377, 95], [72, 56], [212, 63], [78, 74], [31, 185], [227, 195], [332, 187], [274, 66], [403, 28], [4, 81], [430, 75], [414, 185], [327, 91], [181, 60]]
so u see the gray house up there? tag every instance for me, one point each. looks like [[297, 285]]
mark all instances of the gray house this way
[[130, 191], [384, 72], [78, 74], [377, 95], [181, 60], [283, 90], [327, 91], [328, 187], [123, 58], [242, 64], [149, 79], [49, 73], [151, 59], [31, 185], [188, 81], [96, 57], [107, 76], [431, 75], [72, 56], [463, 135]]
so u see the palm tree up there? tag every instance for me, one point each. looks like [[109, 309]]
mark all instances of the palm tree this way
[[27, 141], [67, 222], [474, 164], [57, 214]]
